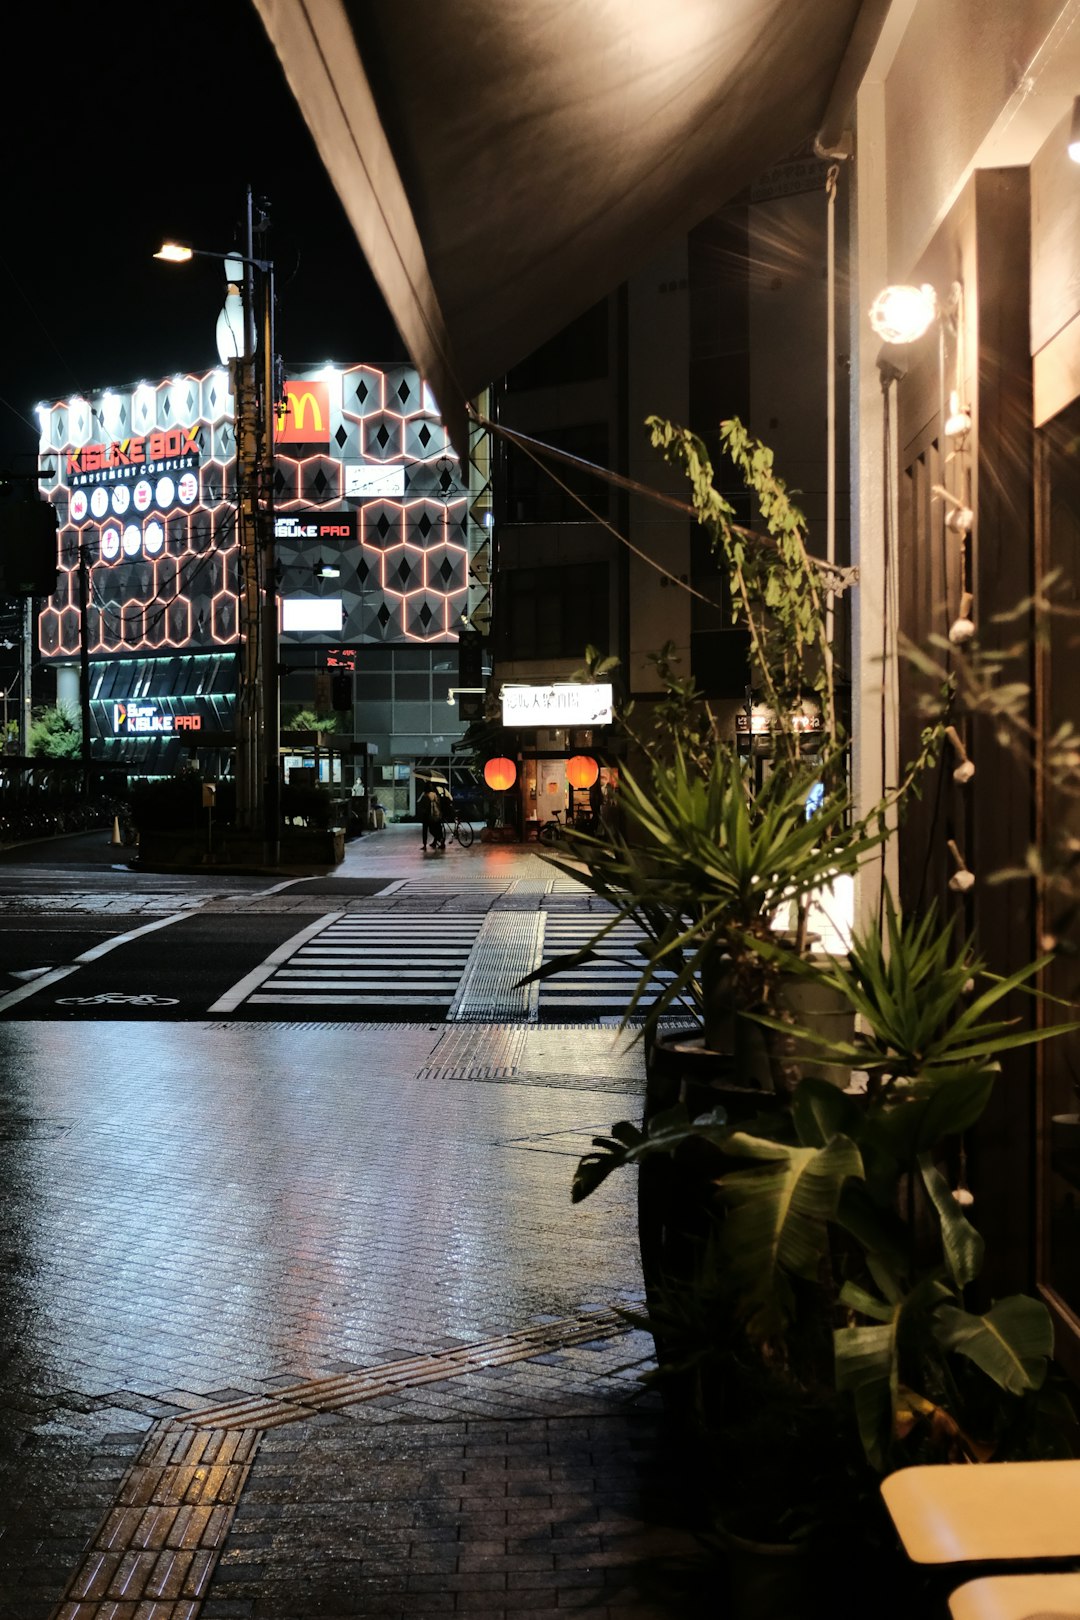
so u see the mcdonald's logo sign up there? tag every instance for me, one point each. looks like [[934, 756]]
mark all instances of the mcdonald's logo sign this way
[[304, 416]]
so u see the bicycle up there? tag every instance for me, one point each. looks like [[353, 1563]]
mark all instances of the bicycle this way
[[553, 831], [461, 830]]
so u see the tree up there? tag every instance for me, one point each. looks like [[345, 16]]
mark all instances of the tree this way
[[56, 733]]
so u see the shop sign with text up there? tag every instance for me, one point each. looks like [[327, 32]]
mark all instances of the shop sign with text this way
[[562, 704], [149, 719], [303, 526], [170, 451]]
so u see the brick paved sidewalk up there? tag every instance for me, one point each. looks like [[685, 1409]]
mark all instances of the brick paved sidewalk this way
[[212, 1233]]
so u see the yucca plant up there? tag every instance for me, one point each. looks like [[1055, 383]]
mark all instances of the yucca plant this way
[[709, 869]]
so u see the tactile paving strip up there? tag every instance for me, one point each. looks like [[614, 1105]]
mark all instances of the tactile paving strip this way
[[509, 945], [156, 1550], [298, 1401]]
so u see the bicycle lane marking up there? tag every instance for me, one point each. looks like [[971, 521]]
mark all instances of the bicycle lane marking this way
[[251, 981], [13, 997]]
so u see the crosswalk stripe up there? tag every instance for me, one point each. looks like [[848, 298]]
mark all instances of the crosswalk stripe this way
[[381, 962], [602, 986]]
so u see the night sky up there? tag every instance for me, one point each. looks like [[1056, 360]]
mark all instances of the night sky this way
[[124, 127]]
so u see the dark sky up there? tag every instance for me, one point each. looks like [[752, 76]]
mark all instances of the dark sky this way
[[133, 126]]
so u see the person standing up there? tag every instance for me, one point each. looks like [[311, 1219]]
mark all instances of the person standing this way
[[431, 821]]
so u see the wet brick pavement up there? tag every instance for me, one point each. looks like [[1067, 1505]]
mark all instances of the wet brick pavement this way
[[199, 1212]]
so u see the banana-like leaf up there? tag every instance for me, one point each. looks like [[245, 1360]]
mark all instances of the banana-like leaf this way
[[1012, 1342], [860, 1299], [821, 1111], [866, 1367], [627, 1145], [778, 1214], [962, 1245], [912, 1122]]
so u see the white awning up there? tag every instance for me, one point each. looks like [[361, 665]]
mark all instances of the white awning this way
[[506, 163]]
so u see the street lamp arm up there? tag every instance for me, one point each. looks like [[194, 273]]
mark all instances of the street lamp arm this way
[[181, 252]]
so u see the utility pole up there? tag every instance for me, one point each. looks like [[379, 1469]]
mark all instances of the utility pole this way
[[25, 717], [271, 686], [248, 772], [84, 669]]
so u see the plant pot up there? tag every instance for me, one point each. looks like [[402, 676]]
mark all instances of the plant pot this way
[[676, 1192], [820, 1008], [766, 1579]]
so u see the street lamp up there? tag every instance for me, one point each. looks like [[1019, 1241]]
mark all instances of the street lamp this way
[[258, 770]]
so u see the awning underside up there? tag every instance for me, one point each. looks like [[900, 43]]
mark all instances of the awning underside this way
[[504, 165]]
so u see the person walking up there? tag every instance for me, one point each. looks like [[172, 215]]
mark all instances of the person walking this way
[[431, 819]]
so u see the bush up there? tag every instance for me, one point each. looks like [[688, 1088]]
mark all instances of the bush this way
[[56, 733]]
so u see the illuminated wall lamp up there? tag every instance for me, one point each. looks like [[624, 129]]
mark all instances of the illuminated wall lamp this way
[[901, 314], [1074, 131], [326, 570]]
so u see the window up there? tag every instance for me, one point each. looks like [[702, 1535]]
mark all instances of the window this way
[[553, 612], [532, 496]]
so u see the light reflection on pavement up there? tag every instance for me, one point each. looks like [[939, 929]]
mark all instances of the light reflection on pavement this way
[[196, 1206]]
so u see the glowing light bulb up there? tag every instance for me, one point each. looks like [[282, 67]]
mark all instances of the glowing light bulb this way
[[901, 314]]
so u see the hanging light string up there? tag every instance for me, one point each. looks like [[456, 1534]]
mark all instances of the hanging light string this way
[[836, 579]]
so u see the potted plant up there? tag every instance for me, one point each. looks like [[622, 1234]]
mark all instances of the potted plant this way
[[811, 1271], [713, 865], [831, 1322]]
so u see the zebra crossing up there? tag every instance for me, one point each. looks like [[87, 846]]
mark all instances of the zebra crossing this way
[[600, 988], [381, 966], [453, 966]]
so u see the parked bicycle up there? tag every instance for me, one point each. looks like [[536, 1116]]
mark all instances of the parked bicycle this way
[[461, 830], [555, 830]]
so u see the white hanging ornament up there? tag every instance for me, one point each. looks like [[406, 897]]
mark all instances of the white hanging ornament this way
[[963, 626], [962, 880]]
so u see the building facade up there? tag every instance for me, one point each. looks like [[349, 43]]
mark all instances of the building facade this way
[[380, 539]]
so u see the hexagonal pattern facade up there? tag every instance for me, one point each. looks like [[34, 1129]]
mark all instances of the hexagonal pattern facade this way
[[144, 479]]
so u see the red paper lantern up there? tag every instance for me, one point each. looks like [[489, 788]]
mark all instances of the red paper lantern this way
[[582, 771], [500, 774]]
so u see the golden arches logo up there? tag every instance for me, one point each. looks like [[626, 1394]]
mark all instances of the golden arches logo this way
[[304, 416]]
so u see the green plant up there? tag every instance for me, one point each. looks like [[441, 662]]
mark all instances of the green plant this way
[[56, 733], [310, 720], [705, 868], [843, 1210], [825, 1303], [705, 859]]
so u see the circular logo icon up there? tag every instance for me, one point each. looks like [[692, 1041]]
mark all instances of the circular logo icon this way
[[121, 499], [99, 502], [188, 489], [78, 506], [132, 540], [153, 538], [143, 495], [110, 544], [165, 492]]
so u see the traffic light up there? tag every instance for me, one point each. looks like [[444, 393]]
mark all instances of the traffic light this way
[[341, 686], [322, 693], [28, 553]]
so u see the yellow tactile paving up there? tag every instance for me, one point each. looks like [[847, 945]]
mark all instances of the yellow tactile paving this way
[[155, 1552]]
